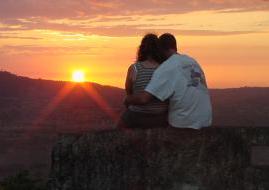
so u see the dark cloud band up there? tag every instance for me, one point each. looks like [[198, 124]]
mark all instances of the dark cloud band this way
[[91, 8]]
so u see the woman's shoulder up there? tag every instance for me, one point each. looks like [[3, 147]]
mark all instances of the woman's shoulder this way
[[148, 65], [138, 66], [132, 70], [135, 64]]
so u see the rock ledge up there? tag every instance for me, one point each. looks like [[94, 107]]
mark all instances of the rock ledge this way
[[156, 159]]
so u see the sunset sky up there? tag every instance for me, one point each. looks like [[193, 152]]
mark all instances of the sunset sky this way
[[50, 39]]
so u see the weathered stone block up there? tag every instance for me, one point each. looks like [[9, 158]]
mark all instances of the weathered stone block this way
[[157, 159]]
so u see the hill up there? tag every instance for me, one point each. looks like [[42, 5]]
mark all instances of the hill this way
[[24, 100], [240, 107], [34, 111]]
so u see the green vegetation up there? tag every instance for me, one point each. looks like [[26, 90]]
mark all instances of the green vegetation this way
[[21, 181]]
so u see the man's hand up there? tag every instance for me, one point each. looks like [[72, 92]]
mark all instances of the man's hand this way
[[138, 99], [125, 102]]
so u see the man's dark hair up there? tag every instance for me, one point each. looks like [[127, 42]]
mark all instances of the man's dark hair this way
[[168, 41], [150, 47]]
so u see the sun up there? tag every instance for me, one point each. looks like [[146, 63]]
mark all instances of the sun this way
[[78, 76]]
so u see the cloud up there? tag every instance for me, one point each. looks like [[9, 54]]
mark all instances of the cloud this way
[[18, 37], [130, 18], [92, 8], [51, 50], [120, 30], [117, 30]]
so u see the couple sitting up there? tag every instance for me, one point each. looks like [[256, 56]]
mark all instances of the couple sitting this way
[[165, 88]]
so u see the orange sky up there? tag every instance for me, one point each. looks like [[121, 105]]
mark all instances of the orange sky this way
[[47, 39]]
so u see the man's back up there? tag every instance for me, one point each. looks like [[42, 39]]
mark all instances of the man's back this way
[[182, 80]]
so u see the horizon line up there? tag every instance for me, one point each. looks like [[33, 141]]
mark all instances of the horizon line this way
[[107, 85]]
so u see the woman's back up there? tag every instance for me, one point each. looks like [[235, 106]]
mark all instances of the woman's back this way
[[153, 114], [143, 74]]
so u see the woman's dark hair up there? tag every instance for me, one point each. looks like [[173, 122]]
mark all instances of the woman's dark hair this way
[[150, 47]]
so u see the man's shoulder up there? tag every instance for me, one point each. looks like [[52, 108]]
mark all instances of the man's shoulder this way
[[186, 58], [174, 62], [166, 65], [171, 62]]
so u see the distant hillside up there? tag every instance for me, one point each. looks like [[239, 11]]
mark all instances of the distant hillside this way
[[22, 99], [241, 107], [23, 87], [33, 112]]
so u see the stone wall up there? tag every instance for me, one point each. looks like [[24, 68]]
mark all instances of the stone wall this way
[[156, 159]]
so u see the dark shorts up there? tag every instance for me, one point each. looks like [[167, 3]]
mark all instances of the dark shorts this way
[[144, 120]]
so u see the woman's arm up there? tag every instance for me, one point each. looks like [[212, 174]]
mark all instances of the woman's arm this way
[[129, 80]]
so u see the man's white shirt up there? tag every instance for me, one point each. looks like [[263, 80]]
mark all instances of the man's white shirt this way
[[181, 80]]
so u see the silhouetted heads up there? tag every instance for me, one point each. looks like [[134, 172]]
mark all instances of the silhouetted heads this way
[[150, 49]]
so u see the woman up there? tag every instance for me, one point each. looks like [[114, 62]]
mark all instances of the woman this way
[[153, 114]]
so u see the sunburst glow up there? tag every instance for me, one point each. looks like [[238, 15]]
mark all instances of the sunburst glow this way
[[78, 76]]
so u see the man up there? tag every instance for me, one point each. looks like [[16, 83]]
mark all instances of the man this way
[[181, 80]]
